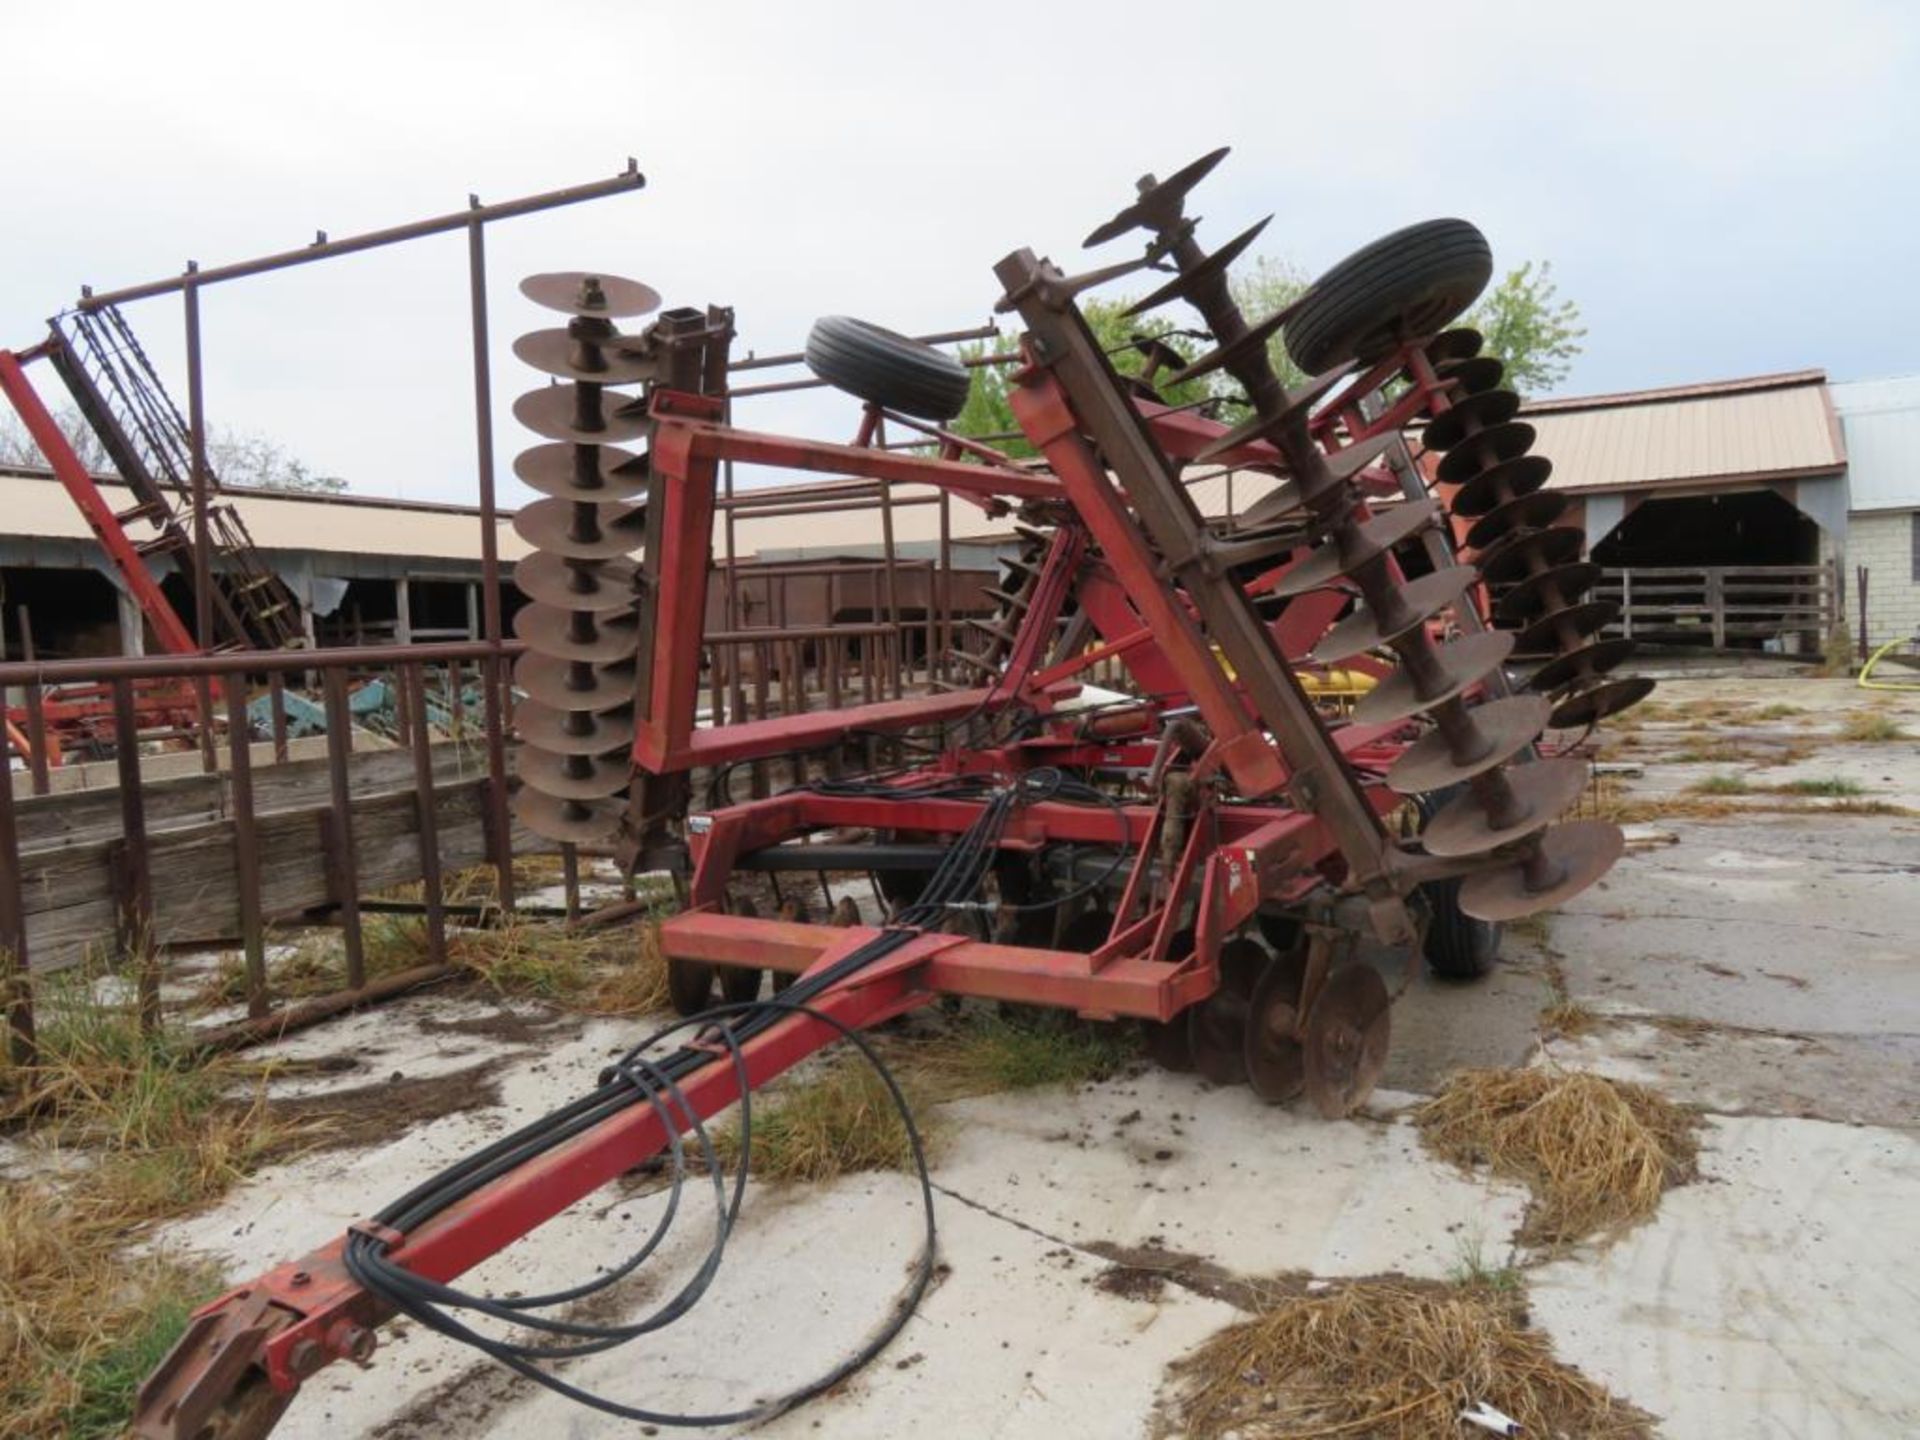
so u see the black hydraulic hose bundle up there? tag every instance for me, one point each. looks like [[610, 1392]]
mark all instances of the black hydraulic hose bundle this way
[[636, 1079]]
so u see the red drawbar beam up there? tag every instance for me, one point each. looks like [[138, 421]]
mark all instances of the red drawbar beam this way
[[314, 1306], [45, 430]]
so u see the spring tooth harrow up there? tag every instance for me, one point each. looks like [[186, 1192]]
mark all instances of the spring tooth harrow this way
[[1201, 856]]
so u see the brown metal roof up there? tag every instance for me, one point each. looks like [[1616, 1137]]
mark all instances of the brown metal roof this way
[[1744, 431]]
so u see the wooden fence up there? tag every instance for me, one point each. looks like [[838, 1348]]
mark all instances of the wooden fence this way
[[1723, 607]]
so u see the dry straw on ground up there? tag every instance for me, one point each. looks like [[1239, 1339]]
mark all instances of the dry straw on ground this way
[[1596, 1153], [1392, 1358]]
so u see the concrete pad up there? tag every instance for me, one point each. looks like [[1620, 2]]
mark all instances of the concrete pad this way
[[1769, 1299]]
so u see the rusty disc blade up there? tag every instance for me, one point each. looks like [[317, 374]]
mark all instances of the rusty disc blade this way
[[1294, 403], [1217, 1026], [558, 352], [1597, 702], [1542, 792], [574, 777], [1469, 415], [1463, 663], [1421, 599], [1554, 589], [1463, 342], [1505, 726], [581, 531], [579, 292], [576, 634], [1516, 555], [1252, 341], [1208, 270], [1580, 622], [1275, 1062], [689, 986], [563, 685], [595, 473], [1372, 538], [740, 984], [1484, 449], [1596, 659], [1492, 490], [1571, 857], [602, 586], [570, 822], [553, 411], [1472, 375], [1159, 205], [573, 732], [1529, 512], [1345, 1040]]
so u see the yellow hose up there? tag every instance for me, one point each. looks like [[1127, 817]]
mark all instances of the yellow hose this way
[[1866, 670]]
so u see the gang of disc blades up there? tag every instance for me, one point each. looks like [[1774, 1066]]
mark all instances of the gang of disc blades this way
[[1583, 621], [1468, 415], [1529, 598], [1514, 556], [1578, 853], [1544, 789], [573, 732], [553, 631], [554, 580], [1595, 659], [1462, 342], [553, 681], [560, 352], [1463, 662], [555, 468], [1275, 1063], [574, 777], [1372, 538], [552, 411], [1506, 727], [552, 525], [1423, 599], [1345, 1040], [1597, 702], [580, 292], [568, 822], [1484, 449]]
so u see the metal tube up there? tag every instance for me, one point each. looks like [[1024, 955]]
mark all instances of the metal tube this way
[[246, 662], [15, 973], [136, 899], [323, 249], [500, 826], [246, 843], [413, 686], [345, 868], [197, 464], [37, 762]]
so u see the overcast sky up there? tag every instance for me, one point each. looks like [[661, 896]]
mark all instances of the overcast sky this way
[[1725, 188]]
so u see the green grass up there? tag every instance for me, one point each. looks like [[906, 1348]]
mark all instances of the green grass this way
[[840, 1120], [1471, 1268], [1830, 787], [1721, 785], [1777, 712], [107, 1380], [988, 1053], [85, 1303]]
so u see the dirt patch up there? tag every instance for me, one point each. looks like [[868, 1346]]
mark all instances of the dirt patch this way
[[1143, 1272], [503, 1024], [367, 1115]]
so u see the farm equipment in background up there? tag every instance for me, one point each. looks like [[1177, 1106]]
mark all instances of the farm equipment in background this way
[[1205, 855]]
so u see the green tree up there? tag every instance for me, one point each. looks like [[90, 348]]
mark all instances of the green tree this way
[[1529, 327], [988, 412]]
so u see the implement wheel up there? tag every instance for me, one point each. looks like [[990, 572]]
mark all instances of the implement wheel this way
[[887, 368], [1401, 287], [1458, 946]]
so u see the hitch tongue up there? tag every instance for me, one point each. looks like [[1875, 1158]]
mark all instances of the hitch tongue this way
[[213, 1382]]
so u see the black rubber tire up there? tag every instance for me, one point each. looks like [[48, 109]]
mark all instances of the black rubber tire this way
[[1458, 947], [1403, 286], [887, 368]]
